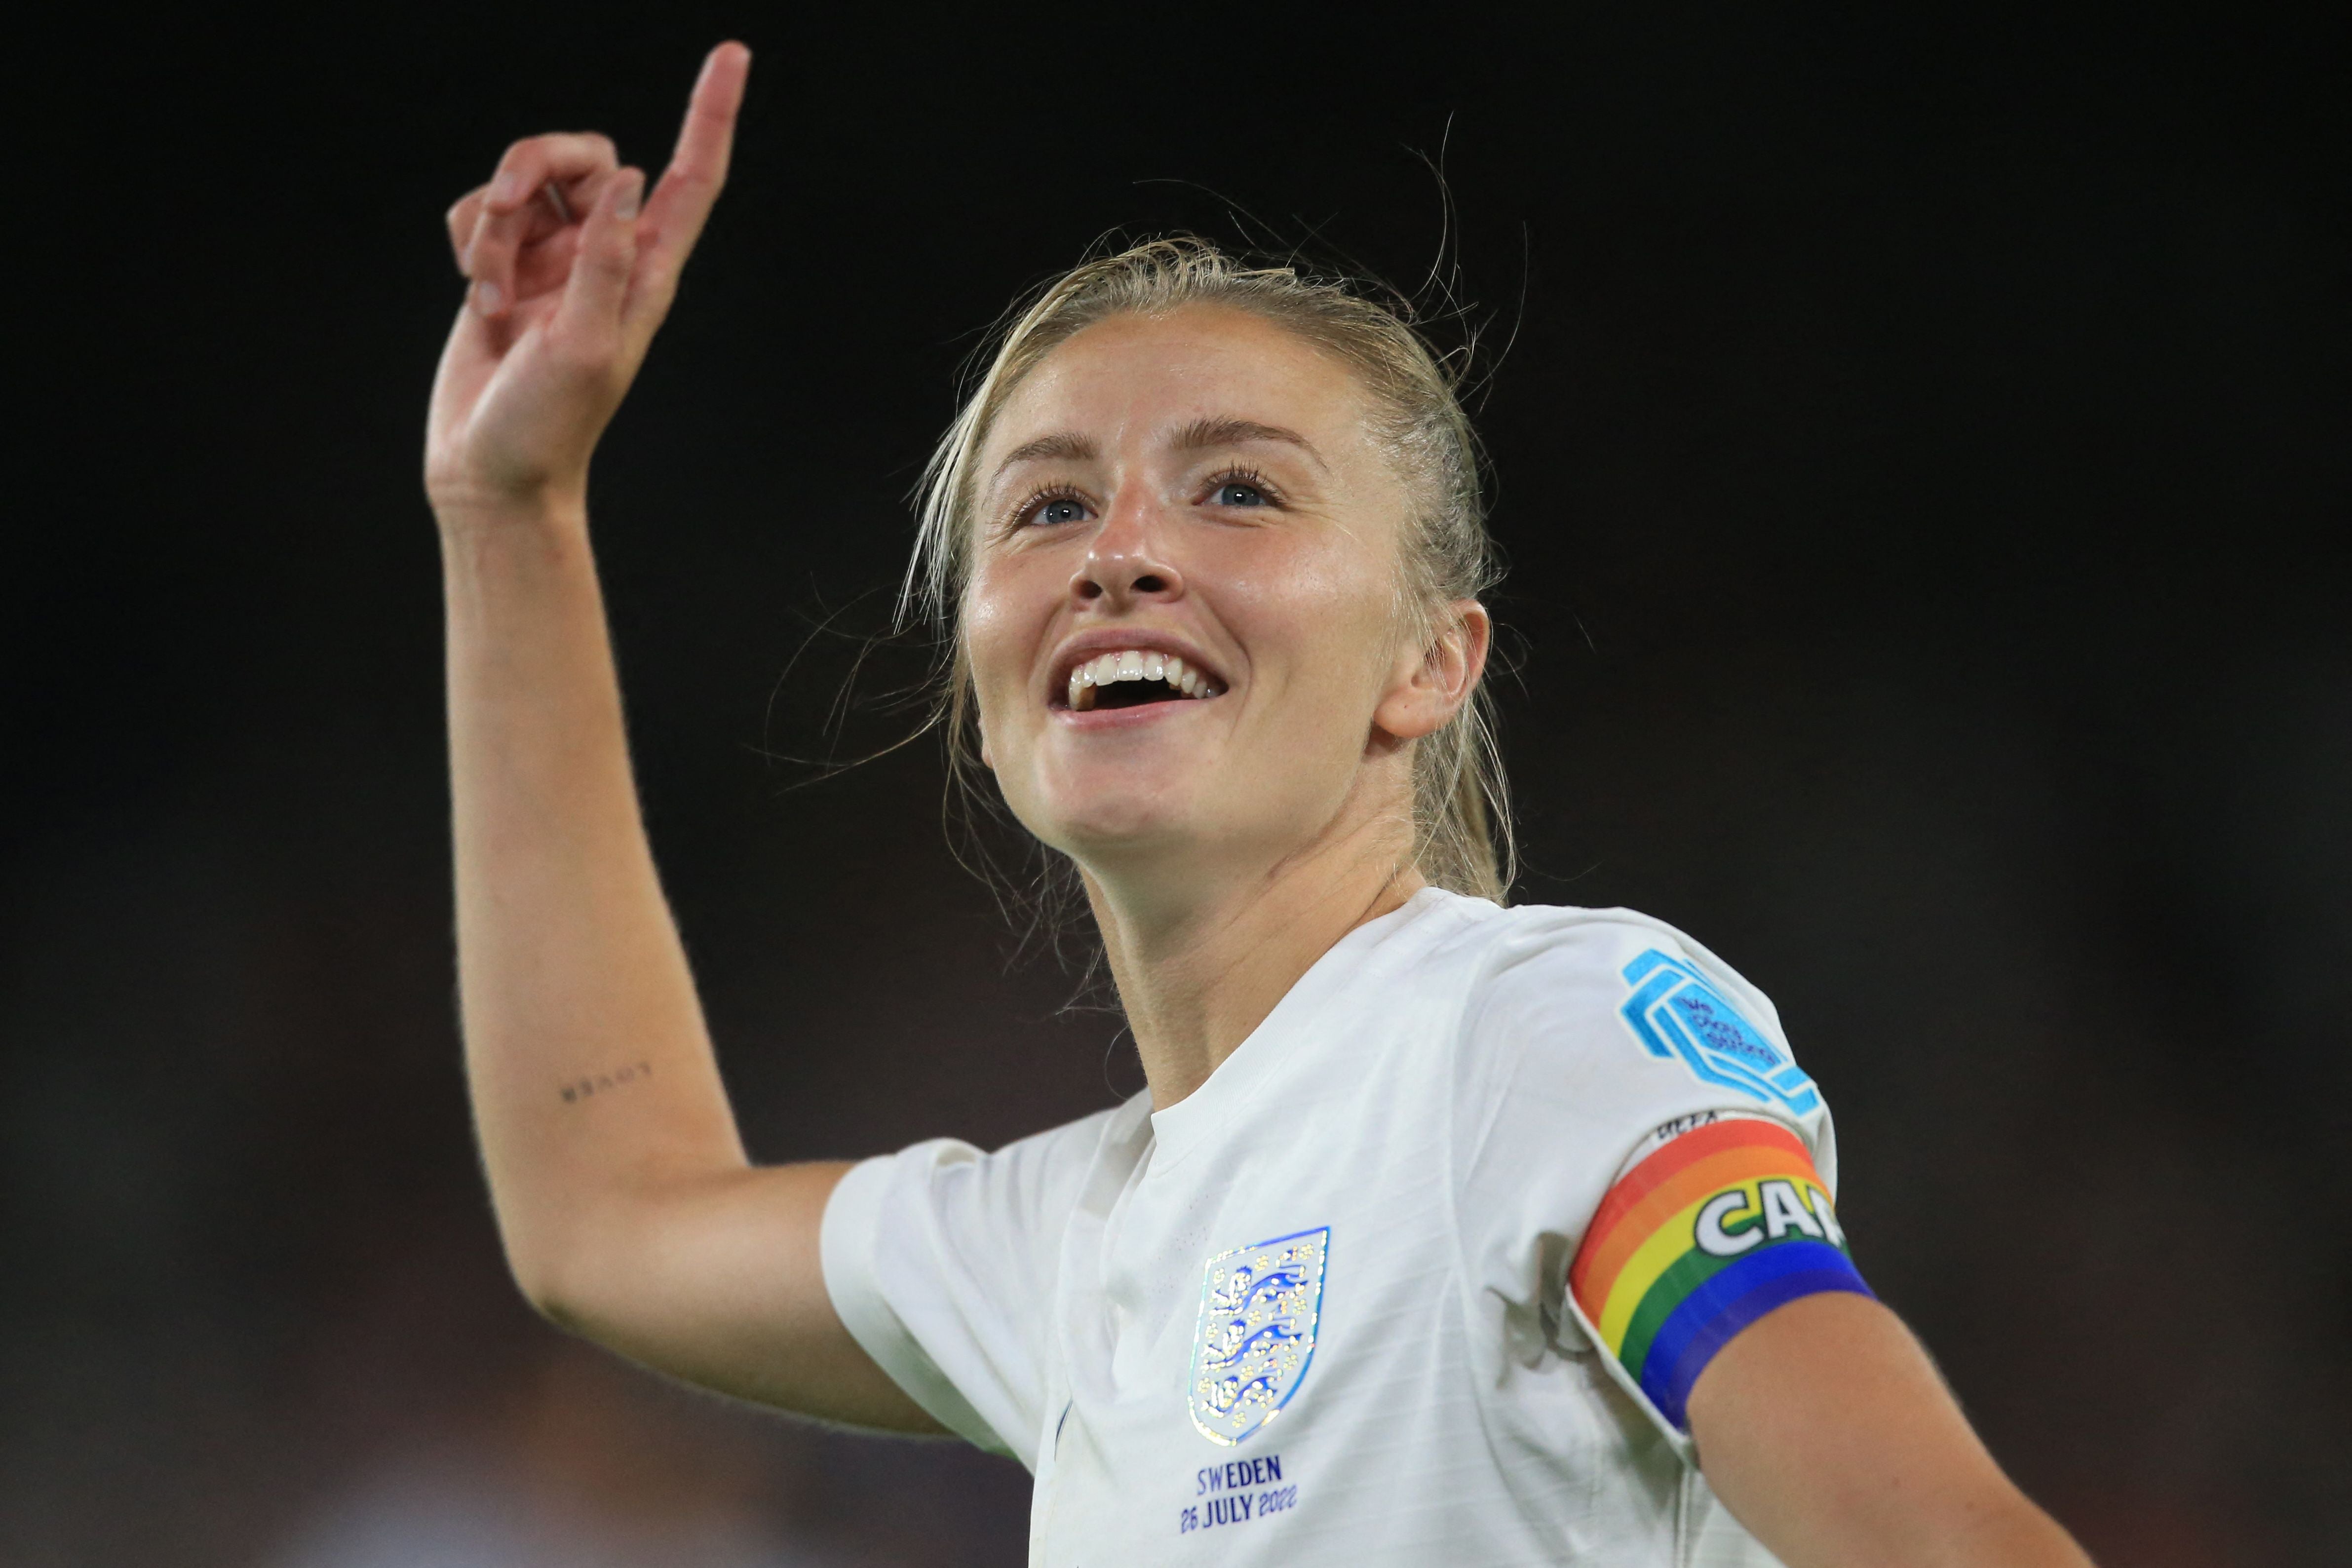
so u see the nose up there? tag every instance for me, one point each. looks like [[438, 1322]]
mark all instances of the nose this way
[[1125, 563]]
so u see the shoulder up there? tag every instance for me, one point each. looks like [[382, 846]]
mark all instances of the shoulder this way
[[1544, 958], [1621, 1016], [945, 1198], [1036, 1174], [1527, 951], [1550, 961]]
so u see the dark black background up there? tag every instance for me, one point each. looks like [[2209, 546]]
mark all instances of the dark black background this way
[[1921, 454]]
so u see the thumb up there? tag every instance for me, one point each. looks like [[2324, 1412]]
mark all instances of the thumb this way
[[590, 311]]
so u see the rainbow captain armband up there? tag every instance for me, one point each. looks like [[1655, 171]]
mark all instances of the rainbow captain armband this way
[[1705, 1235]]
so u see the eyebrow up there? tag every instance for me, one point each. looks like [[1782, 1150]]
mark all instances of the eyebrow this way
[[1069, 446], [1219, 431], [1063, 445]]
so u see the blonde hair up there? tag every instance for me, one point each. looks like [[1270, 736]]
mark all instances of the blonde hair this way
[[1461, 808]]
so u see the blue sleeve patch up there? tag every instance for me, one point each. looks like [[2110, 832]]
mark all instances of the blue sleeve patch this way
[[1674, 1012]]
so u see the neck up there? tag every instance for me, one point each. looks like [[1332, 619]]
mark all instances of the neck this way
[[1200, 960]]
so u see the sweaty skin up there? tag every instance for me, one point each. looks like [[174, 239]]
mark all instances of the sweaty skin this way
[[1133, 494]]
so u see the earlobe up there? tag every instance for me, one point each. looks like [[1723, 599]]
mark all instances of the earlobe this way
[[1417, 705], [1432, 690]]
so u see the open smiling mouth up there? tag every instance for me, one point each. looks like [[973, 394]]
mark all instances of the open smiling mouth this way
[[1132, 677]]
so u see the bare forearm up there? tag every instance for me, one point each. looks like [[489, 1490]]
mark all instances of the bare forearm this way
[[591, 1070]]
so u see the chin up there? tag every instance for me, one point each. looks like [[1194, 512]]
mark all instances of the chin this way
[[1115, 832], [1114, 820]]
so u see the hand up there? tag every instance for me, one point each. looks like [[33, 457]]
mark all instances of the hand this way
[[572, 270]]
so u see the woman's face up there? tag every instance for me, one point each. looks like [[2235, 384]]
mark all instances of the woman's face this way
[[1203, 486]]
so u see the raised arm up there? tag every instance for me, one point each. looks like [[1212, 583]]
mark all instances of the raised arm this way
[[629, 1210]]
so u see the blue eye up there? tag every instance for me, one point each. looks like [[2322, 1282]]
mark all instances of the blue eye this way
[[1233, 493], [1061, 511]]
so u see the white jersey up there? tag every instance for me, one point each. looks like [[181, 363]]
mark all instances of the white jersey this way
[[1321, 1310]]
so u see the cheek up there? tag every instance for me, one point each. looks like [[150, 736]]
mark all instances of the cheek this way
[[1330, 613], [1001, 629]]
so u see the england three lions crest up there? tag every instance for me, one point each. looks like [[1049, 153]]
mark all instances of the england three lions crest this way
[[1258, 1309]]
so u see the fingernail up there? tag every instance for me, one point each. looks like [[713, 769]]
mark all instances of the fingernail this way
[[487, 297], [633, 190], [506, 190]]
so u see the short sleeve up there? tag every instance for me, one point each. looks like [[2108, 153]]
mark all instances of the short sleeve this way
[[1594, 1042], [942, 1262]]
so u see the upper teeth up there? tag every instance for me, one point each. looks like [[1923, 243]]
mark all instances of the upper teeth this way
[[1135, 664]]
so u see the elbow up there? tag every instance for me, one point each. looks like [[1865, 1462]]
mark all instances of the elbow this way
[[549, 1267], [585, 1270], [543, 1285]]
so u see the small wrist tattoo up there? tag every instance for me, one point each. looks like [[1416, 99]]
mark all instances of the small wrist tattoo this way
[[579, 1089]]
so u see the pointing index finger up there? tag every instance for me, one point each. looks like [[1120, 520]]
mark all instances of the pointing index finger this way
[[704, 140], [680, 204]]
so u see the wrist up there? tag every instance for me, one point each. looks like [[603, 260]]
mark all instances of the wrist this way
[[512, 541], [546, 512]]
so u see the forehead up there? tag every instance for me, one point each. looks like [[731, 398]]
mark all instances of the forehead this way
[[1133, 376]]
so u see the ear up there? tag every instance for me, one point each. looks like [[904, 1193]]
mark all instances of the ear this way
[[1430, 684]]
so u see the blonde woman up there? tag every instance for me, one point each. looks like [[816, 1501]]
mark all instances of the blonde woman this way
[[1444, 1232]]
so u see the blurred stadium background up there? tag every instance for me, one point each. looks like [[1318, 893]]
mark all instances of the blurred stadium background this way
[[1923, 460]]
